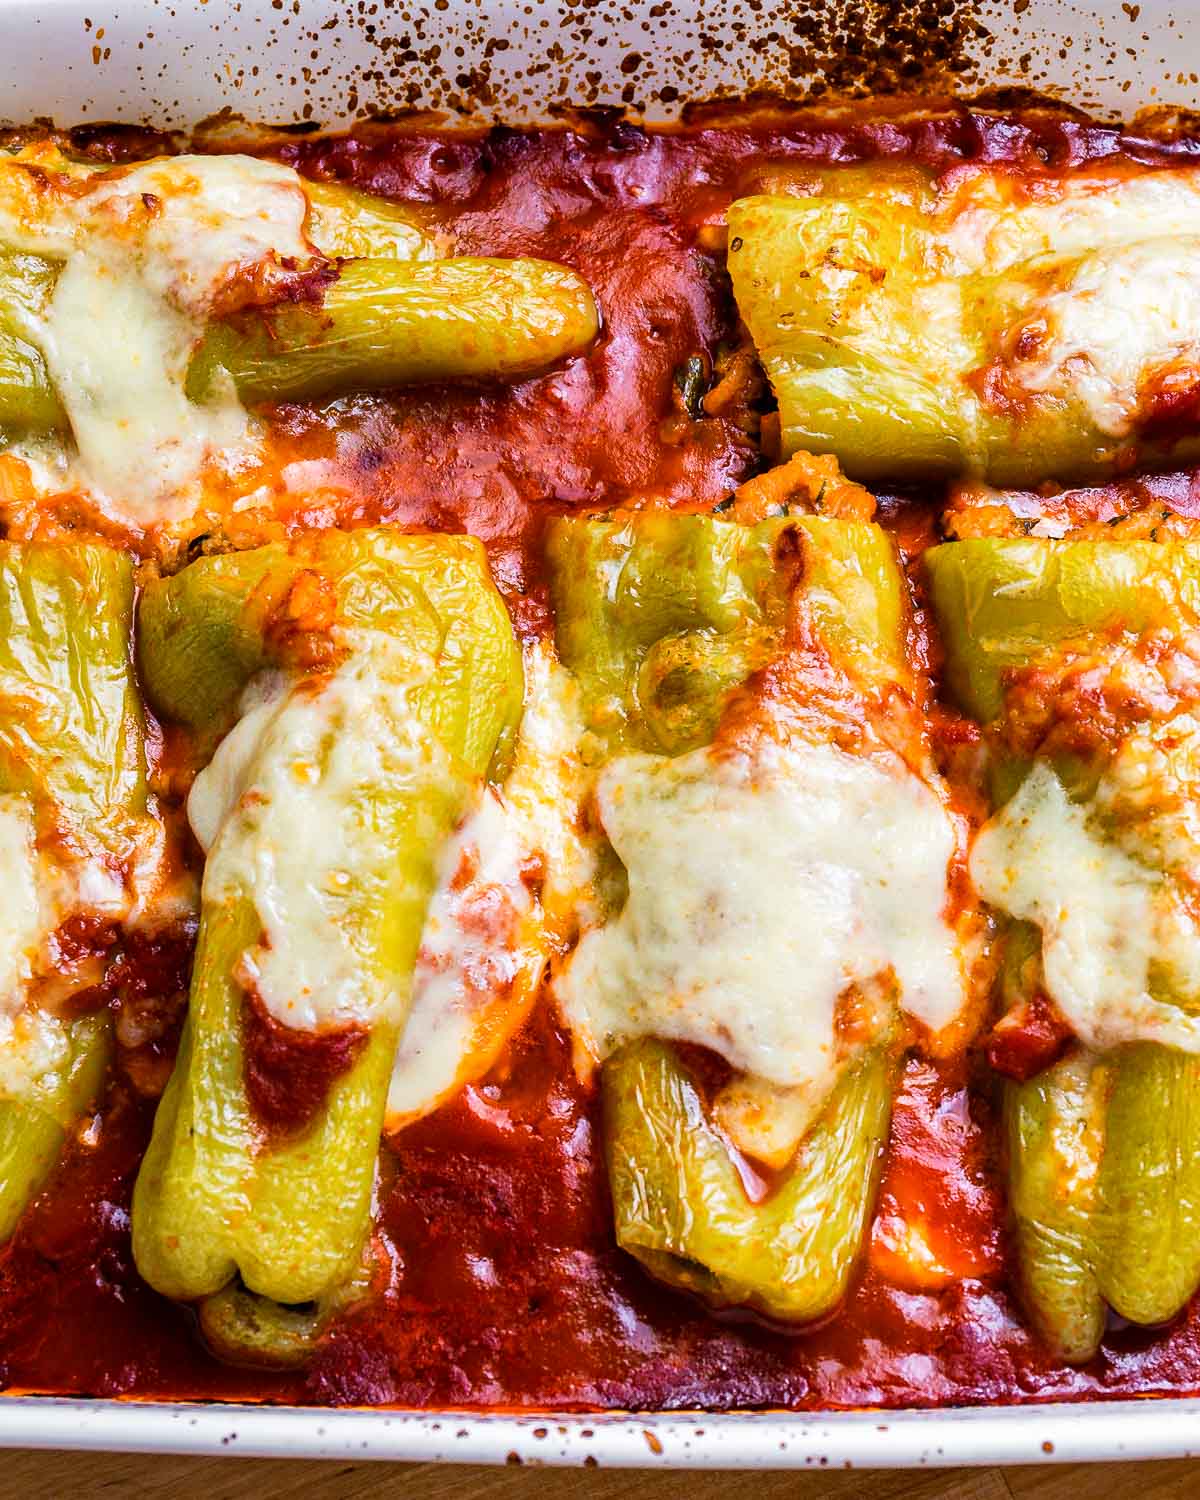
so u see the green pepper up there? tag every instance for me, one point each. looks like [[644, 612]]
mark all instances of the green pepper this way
[[381, 325], [71, 747], [919, 329], [27, 399], [681, 1207], [288, 1213], [345, 224], [660, 618], [242, 1328], [1103, 1147], [395, 315]]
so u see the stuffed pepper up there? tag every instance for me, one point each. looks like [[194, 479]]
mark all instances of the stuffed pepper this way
[[83, 854], [143, 308], [1081, 660], [772, 915], [1011, 328], [349, 692]]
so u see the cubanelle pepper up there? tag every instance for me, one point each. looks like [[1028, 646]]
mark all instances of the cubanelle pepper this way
[[920, 327], [390, 682], [393, 313], [1103, 1144], [664, 620], [73, 776]]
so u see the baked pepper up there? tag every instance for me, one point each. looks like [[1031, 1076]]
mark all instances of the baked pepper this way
[[1068, 654], [374, 309], [664, 620], [74, 822], [383, 679], [920, 327]]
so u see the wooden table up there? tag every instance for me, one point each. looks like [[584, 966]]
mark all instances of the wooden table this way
[[81, 1476]]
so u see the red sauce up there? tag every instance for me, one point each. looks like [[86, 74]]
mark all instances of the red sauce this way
[[1028, 1039], [506, 1288], [149, 984], [289, 1072]]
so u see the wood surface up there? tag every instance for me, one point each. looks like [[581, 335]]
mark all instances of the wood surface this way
[[79, 1476]]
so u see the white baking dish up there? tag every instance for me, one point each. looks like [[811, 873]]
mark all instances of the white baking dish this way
[[142, 61]]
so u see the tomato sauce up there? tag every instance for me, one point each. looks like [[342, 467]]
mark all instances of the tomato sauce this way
[[497, 1280], [288, 1072]]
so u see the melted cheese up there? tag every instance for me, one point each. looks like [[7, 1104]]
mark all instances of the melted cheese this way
[[758, 894], [1123, 313], [1150, 794], [42, 891], [991, 225], [20, 912], [468, 962], [1113, 929], [146, 252], [289, 795], [217, 789], [1121, 309], [486, 935]]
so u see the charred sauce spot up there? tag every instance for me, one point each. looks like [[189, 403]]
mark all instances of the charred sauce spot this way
[[1169, 404], [268, 284]]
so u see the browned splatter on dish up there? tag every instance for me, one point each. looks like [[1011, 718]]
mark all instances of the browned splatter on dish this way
[[643, 56]]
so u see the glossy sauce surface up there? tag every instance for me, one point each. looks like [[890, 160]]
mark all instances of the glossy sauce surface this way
[[496, 1279]]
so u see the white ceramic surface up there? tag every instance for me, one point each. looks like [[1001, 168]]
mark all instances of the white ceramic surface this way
[[1009, 1435], [174, 62]]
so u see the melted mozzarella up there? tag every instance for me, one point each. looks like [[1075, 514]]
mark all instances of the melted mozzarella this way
[[990, 228], [34, 1045], [758, 894], [146, 253], [20, 911], [468, 961], [217, 789], [1123, 309], [1150, 793], [299, 840], [485, 938], [1123, 313], [1113, 930], [41, 891]]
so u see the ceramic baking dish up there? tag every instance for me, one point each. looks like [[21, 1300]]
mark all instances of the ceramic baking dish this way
[[326, 63]]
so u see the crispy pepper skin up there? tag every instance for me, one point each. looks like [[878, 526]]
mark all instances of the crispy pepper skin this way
[[71, 741], [659, 617], [877, 337], [213, 1200], [1103, 1149]]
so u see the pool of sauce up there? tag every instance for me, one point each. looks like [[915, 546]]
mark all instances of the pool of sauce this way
[[497, 1282]]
